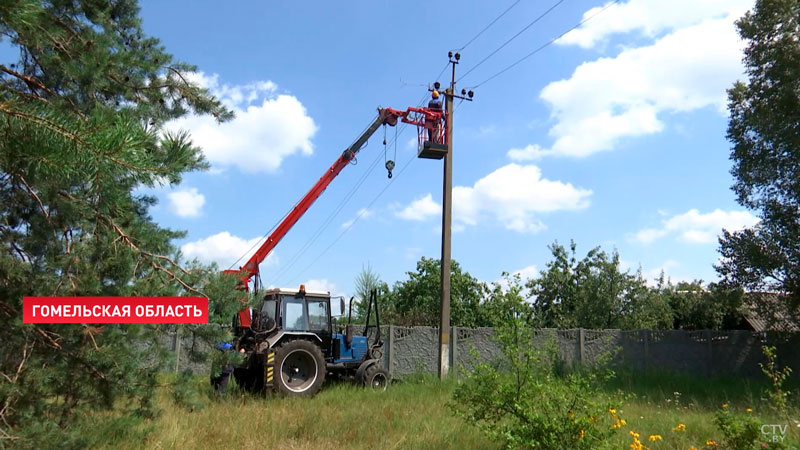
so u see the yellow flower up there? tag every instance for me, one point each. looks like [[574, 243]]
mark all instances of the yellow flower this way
[[612, 411], [623, 422], [711, 443], [655, 437], [593, 419], [692, 448], [583, 434], [724, 405], [679, 427], [749, 409], [634, 434]]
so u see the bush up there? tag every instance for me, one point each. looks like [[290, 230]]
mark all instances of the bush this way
[[529, 400]]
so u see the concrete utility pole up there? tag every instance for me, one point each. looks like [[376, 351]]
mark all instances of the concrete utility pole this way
[[447, 215]]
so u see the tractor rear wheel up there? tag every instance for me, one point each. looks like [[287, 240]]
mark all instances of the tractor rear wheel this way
[[300, 368], [377, 378]]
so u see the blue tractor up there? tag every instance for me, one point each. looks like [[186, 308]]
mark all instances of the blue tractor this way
[[291, 344]]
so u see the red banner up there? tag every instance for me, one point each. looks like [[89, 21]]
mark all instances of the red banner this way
[[114, 310]]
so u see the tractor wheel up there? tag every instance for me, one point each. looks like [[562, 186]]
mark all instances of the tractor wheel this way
[[377, 378], [300, 368]]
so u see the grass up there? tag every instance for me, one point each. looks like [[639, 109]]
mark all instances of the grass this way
[[414, 415], [341, 416]]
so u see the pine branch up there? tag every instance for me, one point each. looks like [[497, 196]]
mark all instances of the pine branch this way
[[30, 81], [154, 258]]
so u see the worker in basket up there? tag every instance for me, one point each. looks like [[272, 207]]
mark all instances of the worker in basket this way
[[434, 105]]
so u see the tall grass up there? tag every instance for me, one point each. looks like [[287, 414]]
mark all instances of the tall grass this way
[[414, 415], [342, 416]]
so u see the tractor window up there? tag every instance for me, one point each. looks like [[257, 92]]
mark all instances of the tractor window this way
[[318, 315], [268, 309], [294, 314]]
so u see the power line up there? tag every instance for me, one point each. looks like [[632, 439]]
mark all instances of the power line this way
[[260, 241], [550, 42], [402, 169], [337, 209], [537, 19], [488, 26]]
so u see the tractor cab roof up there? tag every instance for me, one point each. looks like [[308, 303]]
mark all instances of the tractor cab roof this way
[[290, 291]]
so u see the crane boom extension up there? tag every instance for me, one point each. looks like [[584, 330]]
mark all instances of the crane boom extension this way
[[386, 116]]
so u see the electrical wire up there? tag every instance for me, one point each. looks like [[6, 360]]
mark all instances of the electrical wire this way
[[261, 240], [347, 198], [403, 169], [537, 19], [549, 43], [330, 218], [488, 26]]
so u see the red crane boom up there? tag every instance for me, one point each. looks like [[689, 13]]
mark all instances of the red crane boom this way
[[422, 117]]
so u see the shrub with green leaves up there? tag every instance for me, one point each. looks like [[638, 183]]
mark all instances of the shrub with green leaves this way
[[528, 400]]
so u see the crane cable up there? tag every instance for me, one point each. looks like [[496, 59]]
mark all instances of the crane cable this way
[[547, 44], [537, 19]]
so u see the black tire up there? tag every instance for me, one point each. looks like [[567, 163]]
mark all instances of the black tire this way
[[377, 378], [300, 368]]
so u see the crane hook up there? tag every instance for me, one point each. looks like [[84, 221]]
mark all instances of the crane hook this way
[[390, 167]]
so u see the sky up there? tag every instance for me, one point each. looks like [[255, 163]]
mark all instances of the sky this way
[[613, 136]]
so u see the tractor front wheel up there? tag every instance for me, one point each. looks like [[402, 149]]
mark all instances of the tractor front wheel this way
[[377, 378], [300, 367]]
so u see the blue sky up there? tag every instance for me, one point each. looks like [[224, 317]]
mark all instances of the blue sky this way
[[613, 136]]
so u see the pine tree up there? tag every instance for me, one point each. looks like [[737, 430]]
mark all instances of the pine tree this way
[[82, 111]]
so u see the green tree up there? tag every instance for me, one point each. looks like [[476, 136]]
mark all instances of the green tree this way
[[766, 154], [366, 281], [83, 106], [698, 307], [592, 293], [416, 301]]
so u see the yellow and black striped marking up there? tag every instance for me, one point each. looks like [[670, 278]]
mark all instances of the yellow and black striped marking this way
[[269, 369]]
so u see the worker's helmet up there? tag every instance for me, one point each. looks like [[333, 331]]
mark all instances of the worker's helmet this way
[[435, 94]]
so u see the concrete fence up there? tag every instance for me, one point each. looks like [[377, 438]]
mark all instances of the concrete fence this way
[[412, 350]]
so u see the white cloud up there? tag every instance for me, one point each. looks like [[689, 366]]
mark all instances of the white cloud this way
[[529, 153], [512, 195], [224, 249], [649, 18], [629, 94], [186, 202], [694, 227], [362, 213], [420, 209], [268, 126]]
